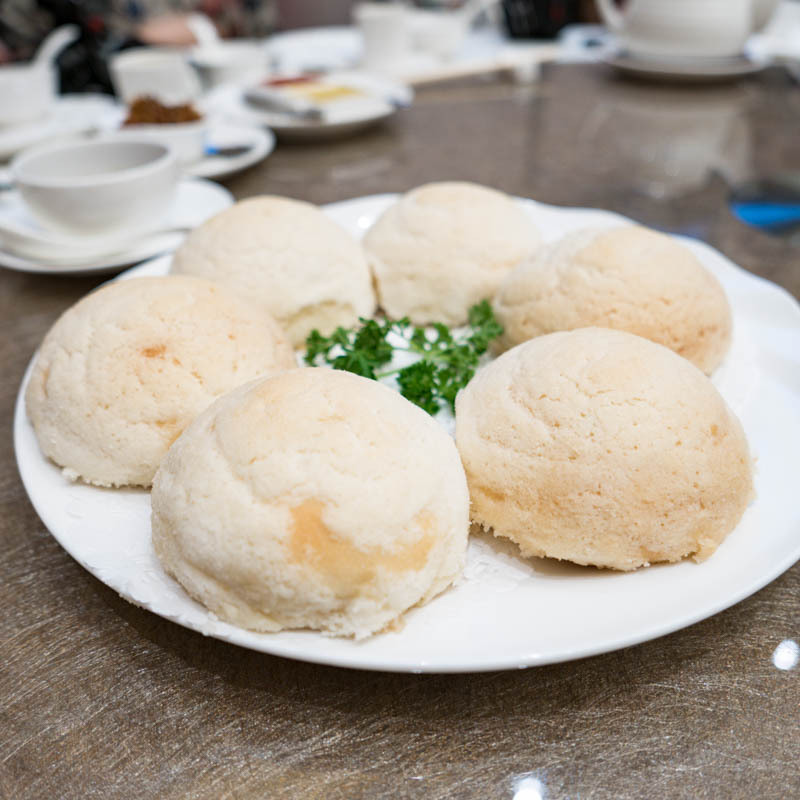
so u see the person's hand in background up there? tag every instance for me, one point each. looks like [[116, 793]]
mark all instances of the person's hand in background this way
[[166, 30]]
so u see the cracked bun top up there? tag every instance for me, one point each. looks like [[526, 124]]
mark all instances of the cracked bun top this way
[[600, 447], [123, 372], [628, 278], [313, 499], [444, 247], [287, 257]]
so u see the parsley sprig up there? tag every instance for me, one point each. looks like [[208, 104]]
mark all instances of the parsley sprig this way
[[445, 361]]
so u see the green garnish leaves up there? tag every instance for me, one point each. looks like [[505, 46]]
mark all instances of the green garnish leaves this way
[[361, 351], [418, 383], [446, 359], [484, 326]]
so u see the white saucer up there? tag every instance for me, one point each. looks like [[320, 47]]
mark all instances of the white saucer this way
[[688, 70], [260, 141], [72, 114], [340, 118], [196, 200]]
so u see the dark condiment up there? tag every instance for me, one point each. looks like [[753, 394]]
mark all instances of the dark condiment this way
[[148, 111]]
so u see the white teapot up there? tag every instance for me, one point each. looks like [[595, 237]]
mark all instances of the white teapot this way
[[685, 28]]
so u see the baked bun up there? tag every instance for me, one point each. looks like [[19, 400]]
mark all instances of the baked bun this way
[[123, 371], [628, 278], [443, 247], [313, 499], [600, 447], [289, 258]]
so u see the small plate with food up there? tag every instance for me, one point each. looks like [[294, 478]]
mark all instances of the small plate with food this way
[[312, 106], [206, 146]]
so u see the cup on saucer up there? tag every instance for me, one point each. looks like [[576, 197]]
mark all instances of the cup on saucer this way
[[159, 72], [109, 186], [680, 29], [385, 30]]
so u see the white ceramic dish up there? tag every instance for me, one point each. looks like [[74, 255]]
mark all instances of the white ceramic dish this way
[[197, 147], [708, 70], [383, 98], [321, 49], [507, 612], [70, 115], [259, 143], [195, 201], [230, 61], [97, 187], [186, 139], [27, 91], [160, 72]]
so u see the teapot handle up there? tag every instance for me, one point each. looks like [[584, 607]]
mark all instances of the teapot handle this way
[[611, 15]]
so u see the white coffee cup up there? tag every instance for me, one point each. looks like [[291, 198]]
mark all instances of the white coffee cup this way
[[681, 28], [27, 92], [161, 73], [385, 29]]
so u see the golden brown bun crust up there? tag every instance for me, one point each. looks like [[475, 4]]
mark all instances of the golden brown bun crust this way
[[289, 258], [627, 278], [443, 247], [127, 368], [315, 499], [600, 447]]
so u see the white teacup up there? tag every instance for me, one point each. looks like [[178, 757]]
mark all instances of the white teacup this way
[[27, 91], [385, 29], [234, 61], [681, 28], [161, 73]]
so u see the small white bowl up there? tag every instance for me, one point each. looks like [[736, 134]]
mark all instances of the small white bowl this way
[[160, 72], [27, 91], [230, 61], [114, 185], [186, 139]]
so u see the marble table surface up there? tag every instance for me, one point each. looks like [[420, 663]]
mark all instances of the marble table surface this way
[[100, 699]]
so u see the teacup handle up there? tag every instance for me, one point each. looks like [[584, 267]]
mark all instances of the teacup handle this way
[[611, 15]]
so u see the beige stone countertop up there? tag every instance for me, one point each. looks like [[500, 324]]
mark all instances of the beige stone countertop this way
[[100, 699]]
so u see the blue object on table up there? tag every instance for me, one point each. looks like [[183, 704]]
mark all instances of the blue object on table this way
[[766, 214], [771, 204], [230, 152]]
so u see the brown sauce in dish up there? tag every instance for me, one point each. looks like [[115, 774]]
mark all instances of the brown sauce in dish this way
[[148, 111]]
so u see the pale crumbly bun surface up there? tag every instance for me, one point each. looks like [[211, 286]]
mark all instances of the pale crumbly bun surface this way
[[443, 247], [124, 370], [628, 278], [599, 447], [289, 258], [313, 499]]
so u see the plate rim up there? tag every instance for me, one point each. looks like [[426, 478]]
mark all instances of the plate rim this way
[[263, 146], [682, 71], [277, 647]]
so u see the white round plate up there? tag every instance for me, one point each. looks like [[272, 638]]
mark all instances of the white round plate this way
[[71, 115], [259, 141], [506, 612], [710, 70], [195, 201], [384, 97]]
